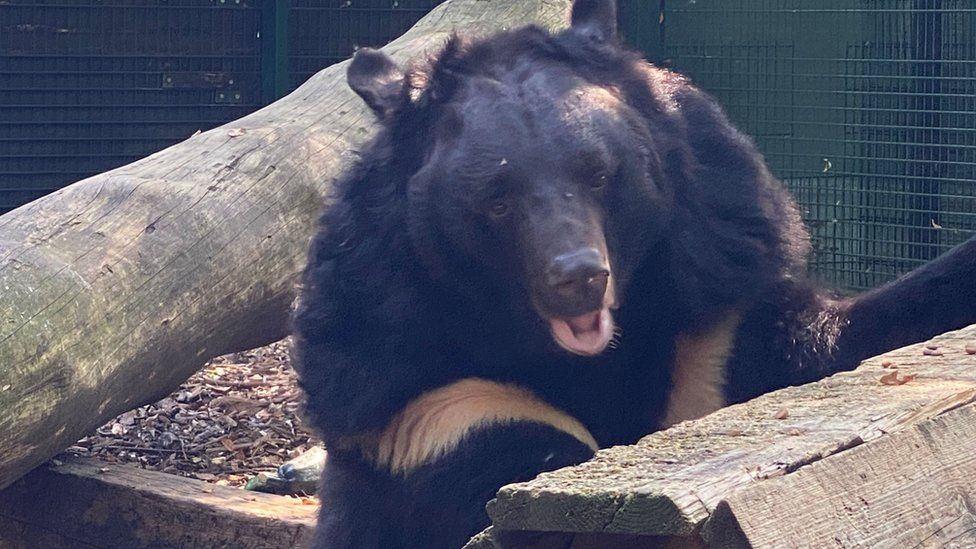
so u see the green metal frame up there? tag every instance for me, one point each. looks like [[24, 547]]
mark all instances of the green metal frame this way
[[274, 49]]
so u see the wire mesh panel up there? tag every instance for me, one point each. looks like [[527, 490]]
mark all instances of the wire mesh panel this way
[[323, 32], [89, 85], [865, 108]]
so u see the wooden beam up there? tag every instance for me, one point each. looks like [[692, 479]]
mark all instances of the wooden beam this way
[[916, 488], [670, 482], [87, 503]]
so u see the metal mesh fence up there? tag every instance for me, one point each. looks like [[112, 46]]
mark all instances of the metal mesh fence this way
[[89, 85], [865, 108], [323, 32]]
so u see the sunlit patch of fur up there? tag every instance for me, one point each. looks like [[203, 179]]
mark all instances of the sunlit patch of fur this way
[[698, 375], [436, 422]]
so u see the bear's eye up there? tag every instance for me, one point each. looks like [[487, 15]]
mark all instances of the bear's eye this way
[[599, 182], [499, 208]]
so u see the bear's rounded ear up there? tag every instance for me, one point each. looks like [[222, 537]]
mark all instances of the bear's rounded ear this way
[[596, 19], [378, 80]]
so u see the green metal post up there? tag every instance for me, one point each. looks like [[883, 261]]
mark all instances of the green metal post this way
[[274, 49]]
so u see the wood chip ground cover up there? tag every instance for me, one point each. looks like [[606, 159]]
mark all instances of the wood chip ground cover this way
[[238, 416]]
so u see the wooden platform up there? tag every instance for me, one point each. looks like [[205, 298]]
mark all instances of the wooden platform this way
[[88, 504], [850, 461]]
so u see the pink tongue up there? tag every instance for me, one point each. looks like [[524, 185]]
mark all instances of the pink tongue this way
[[590, 322], [586, 335]]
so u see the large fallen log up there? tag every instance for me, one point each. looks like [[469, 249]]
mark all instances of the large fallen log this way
[[117, 288]]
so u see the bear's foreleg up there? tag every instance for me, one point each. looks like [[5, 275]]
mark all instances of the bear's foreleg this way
[[932, 299], [802, 334], [426, 479]]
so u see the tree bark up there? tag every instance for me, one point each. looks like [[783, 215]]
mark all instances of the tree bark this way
[[117, 288]]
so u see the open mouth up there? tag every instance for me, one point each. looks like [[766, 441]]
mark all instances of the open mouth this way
[[587, 334]]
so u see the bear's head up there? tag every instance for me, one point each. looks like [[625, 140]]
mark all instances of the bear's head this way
[[537, 169]]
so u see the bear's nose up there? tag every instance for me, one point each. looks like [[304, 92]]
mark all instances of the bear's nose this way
[[580, 278]]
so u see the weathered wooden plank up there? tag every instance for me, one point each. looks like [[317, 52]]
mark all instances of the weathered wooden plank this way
[[670, 482], [915, 488], [85, 503], [117, 288]]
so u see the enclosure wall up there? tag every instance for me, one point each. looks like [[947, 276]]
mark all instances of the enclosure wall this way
[[865, 108]]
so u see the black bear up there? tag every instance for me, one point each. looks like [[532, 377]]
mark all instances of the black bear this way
[[551, 247]]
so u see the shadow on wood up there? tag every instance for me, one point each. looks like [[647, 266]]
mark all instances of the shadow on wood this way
[[86, 503]]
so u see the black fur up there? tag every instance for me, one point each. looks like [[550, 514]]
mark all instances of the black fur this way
[[596, 19], [408, 289], [379, 81], [440, 504]]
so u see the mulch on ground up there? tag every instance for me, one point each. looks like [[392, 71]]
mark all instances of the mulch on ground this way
[[238, 416]]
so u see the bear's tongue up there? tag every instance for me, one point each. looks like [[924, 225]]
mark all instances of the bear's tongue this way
[[584, 324], [586, 334]]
